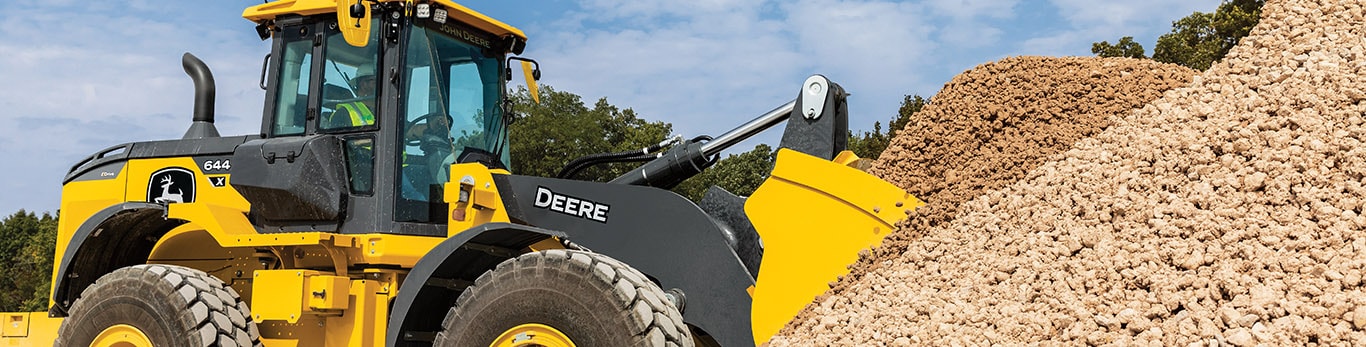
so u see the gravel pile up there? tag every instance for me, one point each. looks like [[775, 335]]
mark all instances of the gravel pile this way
[[1227, 212]]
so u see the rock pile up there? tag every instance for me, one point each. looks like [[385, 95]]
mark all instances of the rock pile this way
[[1228, 212]]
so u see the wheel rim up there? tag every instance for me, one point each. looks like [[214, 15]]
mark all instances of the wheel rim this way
[[121, 335], [531, 335]]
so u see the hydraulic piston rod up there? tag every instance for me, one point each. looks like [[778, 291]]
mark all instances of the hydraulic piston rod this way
[[689, 159], [815, 135], [747, 130]]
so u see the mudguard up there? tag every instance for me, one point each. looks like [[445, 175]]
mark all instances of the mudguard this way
[[118, 236], [435, 281], [660, 233]]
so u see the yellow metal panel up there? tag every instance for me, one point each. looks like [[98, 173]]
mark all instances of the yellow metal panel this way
[[286, 295], [328, 292], [43, 329], [479, 20], [225, 221], [139, 175], [401, 250], [472, 182], [269, 342], [268, 11], [364, 323], [16, 325], [308, 332], [28, 329], [814, 216], [80, 201]]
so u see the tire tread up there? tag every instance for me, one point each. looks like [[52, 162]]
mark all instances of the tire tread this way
[[657, 322], [199, 297]]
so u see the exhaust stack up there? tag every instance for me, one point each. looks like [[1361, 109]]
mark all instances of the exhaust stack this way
[[203, 98]]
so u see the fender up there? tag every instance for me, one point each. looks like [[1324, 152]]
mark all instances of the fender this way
[[437, 279], [665, 236], [117, 236]]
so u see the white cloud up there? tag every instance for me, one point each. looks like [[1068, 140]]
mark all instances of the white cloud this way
[[1088, 13], [711, 65], [849, 35], [1059, 44], [80, 79], [653, 9], [968, 9]]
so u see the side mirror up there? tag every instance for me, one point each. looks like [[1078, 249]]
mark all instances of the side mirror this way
[[351, 19], [531, 70]]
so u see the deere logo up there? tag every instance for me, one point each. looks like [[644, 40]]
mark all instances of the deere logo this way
[[578, 207], [171, 185]]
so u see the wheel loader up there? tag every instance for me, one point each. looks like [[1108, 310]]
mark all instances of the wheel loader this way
[[376, 207]]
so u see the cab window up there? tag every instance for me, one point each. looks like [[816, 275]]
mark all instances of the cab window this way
[[350, 87], [291, 101], [454, 90]]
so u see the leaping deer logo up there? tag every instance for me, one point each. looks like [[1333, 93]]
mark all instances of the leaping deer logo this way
[[166, 195], [171, 185]]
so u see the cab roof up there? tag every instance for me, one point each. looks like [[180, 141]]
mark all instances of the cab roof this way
[[269, 11]]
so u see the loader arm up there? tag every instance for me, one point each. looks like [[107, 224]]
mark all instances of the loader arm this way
[[814, 214]]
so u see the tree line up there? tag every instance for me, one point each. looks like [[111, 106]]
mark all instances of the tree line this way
[[1196, 41], [27, 244]]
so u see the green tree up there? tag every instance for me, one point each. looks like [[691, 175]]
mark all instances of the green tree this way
[[548, 135], [1195, 41], [739, 174], [27, 244], [1192, 43], [1126, 47], [871, 144], [1199, 40]]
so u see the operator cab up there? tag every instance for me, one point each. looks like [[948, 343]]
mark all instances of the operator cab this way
[[409, 92]]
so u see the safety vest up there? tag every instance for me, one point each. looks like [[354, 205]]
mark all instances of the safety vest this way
[[360, 114]]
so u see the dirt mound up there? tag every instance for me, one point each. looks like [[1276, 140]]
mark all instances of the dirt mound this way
[[1225, 212], [991, 125]]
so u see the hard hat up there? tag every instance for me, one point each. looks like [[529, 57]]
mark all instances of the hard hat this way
[[366, 69]]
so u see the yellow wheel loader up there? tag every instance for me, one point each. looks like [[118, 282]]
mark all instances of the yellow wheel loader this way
[[376, 208]]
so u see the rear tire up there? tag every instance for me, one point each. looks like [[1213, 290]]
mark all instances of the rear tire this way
[[167, 305], [590, 299]]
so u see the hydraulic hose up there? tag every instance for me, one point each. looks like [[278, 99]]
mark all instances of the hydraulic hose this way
[[639, 155], [570, 172]]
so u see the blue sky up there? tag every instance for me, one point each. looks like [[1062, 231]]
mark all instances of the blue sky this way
[[79, 76]]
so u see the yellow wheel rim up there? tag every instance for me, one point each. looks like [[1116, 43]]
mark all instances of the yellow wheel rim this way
[[532, 335], [121, 335]]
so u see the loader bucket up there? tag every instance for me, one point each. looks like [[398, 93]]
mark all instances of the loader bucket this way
[[814, 217]]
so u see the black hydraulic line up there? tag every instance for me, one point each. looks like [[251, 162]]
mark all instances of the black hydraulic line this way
[[592, 159], [574, 168], [639, 155]]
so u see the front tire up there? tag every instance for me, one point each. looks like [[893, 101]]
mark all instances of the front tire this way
[[164, 305], [584, 298]]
